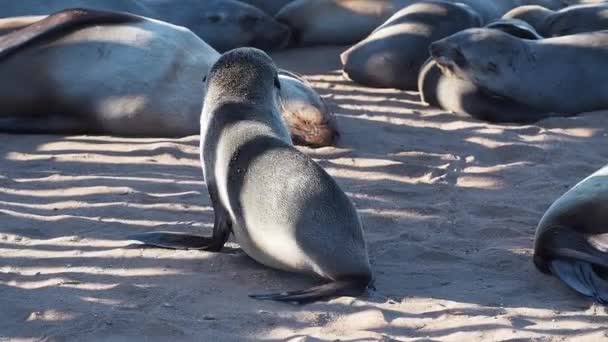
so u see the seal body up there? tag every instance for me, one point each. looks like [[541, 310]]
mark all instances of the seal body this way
[[337, 22], [284, 210], [572, 237], [464, 97], [102, 72], [223, 24], [543, 74], [392, 55]]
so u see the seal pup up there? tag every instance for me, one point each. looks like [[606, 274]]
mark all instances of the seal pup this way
[[308, 117], [96, 75], [544, 74], [284, 210], [223, 24], [572, 237], [464, 97], [392, 55]]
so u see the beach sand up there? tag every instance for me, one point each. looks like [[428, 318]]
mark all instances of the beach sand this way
[[449, 206]]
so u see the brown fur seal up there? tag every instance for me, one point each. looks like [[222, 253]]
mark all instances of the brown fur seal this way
[[284, 210], [544, 74], [567, 21], [464, 97], [121, 74], [392, 55], [223, 24], [572, 237]]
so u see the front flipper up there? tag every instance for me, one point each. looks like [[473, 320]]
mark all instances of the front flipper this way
[[582, 277], [174, 240], [349, 287]]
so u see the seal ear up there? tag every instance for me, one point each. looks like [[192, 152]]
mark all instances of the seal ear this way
[[277, 83]]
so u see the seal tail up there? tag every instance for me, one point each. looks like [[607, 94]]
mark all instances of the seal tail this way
[[174, 240], [582, 277], [351, 287]]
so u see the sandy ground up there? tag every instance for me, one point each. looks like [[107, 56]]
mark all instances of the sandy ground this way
[[449, 206]]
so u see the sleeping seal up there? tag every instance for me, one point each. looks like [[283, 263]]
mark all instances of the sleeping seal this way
[[309, 119], [567, 21], [223, 24], [284, 210], [113, 73], [572, 237], [543, 74], [392, 55], [464, 97]]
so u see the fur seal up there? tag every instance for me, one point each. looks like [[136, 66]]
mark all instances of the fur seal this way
[[572, 238], [341, 22], [308, 117], [544, 74], [223, 24], [336, 22], [464, 97], [567, 21], [392, 55], [284, 210], [101, 72]]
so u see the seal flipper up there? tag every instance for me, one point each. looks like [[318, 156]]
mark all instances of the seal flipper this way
[[346, 287], [174, 240], [582, 277]]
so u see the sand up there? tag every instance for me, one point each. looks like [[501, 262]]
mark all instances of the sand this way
[[449, 205]]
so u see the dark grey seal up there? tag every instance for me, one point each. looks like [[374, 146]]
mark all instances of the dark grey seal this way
[[284, 210], [572, 237]]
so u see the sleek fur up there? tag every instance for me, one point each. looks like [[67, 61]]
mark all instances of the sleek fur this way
[[392, 55], [284, 210], [545, 74], [464, 97], [572, 237], [223, 24]]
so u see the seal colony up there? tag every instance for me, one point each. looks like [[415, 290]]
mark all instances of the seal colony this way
[[113, 69], [284, 210]]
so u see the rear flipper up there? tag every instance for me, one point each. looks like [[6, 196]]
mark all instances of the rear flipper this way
[[582, 277], [348, 287]]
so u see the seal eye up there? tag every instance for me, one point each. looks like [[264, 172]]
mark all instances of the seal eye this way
[[214, 18], [205, 79], [492, 68], [277, 83]]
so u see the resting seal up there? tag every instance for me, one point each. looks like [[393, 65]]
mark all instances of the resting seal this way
[[284, 210], [101, 72], [544, 74], [567, 21], [572, 237], [223, 24], [392, 55], [464, 97]]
